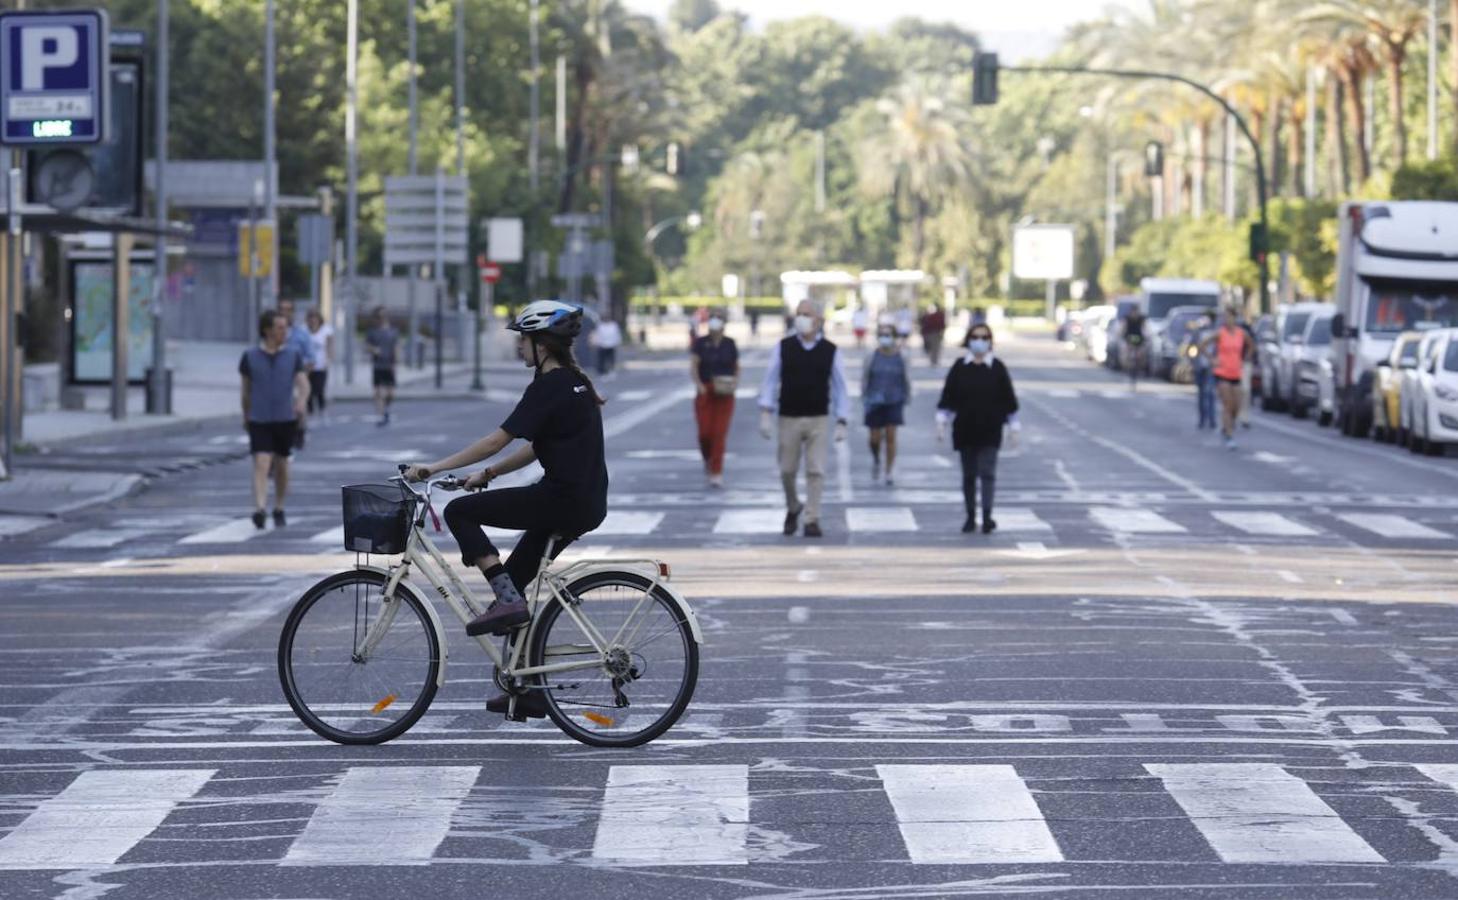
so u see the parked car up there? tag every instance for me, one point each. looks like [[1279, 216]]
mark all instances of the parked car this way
[[1277, 357], [1179, 325], [1159, 298], [1388, 381], [1435, 408], [1263, 329], [1070, 330], [1315, 385], [1409, 385], [1096, 333]]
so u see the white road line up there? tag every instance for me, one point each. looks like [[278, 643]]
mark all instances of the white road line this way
[[1264, 523], [798, 615], [99, 538], [1013, 518], [1133, 456], [98, 818], [1392, 526], [1260, 813], [880, 518], [1133, 521], [384, 816], [750, 521], [629, 420], [1289, 577], [629, 522], [847, 491], [950, 814], [1446, 773], [234, 532], [674, 816], [333, 535]]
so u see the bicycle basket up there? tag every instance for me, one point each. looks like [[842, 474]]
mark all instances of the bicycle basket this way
[[376, 518]]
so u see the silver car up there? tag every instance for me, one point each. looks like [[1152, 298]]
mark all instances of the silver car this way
[[1277, 356], [1315, 378]]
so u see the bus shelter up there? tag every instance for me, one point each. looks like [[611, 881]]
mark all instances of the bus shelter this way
[[830, 289]]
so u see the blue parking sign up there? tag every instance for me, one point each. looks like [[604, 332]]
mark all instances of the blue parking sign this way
[[54, 79]]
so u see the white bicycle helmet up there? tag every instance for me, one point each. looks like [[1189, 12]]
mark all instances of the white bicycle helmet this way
[[551, 316]]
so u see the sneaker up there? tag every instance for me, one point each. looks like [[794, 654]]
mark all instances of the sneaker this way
[[716, 482], [988, 526], [792, 518], [812, 529], [259, 518], [529, 705], [1229, 442], [890, 482], [279, 519], [499, 618], [970, 525]]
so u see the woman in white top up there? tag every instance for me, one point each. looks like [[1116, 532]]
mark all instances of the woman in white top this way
[[321, 339]]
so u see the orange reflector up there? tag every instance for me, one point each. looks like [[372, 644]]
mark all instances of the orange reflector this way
[[599, 718], [383, 704], [664, 571]]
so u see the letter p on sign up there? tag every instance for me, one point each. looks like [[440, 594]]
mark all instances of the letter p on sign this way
[[46, 48]]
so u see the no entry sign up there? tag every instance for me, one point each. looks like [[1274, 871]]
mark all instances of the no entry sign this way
[[490, 273]]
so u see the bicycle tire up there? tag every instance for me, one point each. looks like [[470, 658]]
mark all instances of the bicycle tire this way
[[563, 718], [286, 665]]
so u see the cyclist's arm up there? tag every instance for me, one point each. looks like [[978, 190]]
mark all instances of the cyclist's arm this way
[[487, 447], [520, 458]]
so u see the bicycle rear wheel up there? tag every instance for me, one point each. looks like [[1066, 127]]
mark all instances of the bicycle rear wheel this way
[[648, 677], [338, 690]]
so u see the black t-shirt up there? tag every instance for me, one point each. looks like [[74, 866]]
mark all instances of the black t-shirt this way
[[720, 360], [559, 414]]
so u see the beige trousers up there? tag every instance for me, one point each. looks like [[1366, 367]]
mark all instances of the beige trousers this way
[[807, 436]]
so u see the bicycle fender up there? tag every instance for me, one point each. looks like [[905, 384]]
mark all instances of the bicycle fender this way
[[688, 611], [429, 608]]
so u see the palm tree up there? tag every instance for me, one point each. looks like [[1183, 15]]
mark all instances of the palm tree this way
[[919, 156]]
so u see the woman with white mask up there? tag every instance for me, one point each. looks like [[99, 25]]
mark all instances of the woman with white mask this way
[[885, 388], [715, 371], [978, 400]]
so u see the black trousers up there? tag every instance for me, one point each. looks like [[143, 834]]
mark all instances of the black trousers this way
[[318, 381], [537, 510], [979, 464]]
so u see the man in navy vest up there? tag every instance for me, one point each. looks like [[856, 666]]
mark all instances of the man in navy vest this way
[[806, 384]]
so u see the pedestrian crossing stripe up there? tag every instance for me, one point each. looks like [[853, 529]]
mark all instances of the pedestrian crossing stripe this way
[[1392, 526], [697, 815], [1263, 523], [1122, 520]]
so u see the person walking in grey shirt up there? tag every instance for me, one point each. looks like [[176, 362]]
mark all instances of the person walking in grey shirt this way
[[275, 397], [381, 341], [806, 384]]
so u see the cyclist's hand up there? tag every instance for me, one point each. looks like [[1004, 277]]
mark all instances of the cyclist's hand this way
[[416, 472], [478, 480]]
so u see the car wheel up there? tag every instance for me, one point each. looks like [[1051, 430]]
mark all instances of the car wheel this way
[[1402, 437], [1298, 409], [1323, 418], [1416, 444], [1379, 434]]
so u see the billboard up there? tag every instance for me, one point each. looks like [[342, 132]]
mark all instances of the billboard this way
[[1043, 252], [91, 322]]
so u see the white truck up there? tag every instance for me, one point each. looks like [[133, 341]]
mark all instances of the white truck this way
[[1397, 270]]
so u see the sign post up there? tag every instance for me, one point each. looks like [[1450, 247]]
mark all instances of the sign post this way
[[490, 274], [425, 225], [1044, 253]]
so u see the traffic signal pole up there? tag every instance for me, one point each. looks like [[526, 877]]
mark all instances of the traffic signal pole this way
[[985, 95]]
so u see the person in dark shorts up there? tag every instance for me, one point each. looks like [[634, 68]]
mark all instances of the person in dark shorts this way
[[381, 342], [275, 397], [559, 415], [885, 388]]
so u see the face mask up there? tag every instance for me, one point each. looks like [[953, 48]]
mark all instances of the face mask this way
[[979, 346], [805, 325], [716, 324], [886, 340]]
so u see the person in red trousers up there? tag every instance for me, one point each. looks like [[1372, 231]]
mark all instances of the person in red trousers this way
[[715, 371]]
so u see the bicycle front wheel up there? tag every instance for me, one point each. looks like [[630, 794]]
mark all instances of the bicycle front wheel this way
[[347, 684], [636, 690]]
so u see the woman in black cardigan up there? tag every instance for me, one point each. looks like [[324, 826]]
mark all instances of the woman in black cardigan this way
[[978, 399]]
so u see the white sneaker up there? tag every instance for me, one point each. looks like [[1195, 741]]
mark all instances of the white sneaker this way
[[716, 481]]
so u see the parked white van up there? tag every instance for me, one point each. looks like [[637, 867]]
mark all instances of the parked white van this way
[[1159, 296], [1397, 270]]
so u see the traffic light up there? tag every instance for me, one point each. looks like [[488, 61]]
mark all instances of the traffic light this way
[[1259, 245], [984, 79], [1153, 159]]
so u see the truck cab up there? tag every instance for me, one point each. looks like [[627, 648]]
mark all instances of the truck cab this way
[[1397, 270], [1158, 297]]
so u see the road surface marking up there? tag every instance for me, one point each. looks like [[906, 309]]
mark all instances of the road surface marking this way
[[750, 521], [384, 816], [798, 615], [629, 522], [99, 538], [1263, 523], [675, 816], [1392, 526], [879, 518], [1260, 813], [98, 818], [953, 814], [333, 535], [1133, 521], [233, 532], [1015, 518], [1289, 577]]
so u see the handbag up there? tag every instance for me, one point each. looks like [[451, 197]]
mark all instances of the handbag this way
[[724, 385]]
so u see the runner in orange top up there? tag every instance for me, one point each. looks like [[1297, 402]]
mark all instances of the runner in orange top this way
[[1232, 349]]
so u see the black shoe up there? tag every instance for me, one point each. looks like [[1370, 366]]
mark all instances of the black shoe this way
[[970, 525], [791, 520], [279, 519], [529, 705], [499, 618], [812, 529], [988, 526], [259, 518]]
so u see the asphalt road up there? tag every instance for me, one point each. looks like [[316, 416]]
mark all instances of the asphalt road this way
[[1175, 670]]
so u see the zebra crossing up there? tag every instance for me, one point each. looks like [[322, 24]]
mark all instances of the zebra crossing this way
[[685, 815]]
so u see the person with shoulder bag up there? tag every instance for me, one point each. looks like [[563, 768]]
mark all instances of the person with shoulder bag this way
[[715, 371]]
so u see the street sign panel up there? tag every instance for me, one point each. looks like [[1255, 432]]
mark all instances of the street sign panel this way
[[504, 240], [426, 220], [316, 238], [1043, 252], [490, 273], [54, 79], [261, 235]]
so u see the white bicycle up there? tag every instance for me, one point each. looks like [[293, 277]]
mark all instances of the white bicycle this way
[[612, 649]]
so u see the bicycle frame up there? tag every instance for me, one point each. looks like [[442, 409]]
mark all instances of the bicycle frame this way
[[421, 552]]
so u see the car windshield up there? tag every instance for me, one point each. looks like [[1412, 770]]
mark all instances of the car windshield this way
[[1161, 303], [1295, 325], [1450, 358], [1408, 356], [1319, 335], [1394, 306]]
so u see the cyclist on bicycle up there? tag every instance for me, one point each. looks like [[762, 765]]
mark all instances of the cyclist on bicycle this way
[[558, 414], [1134, 341]]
